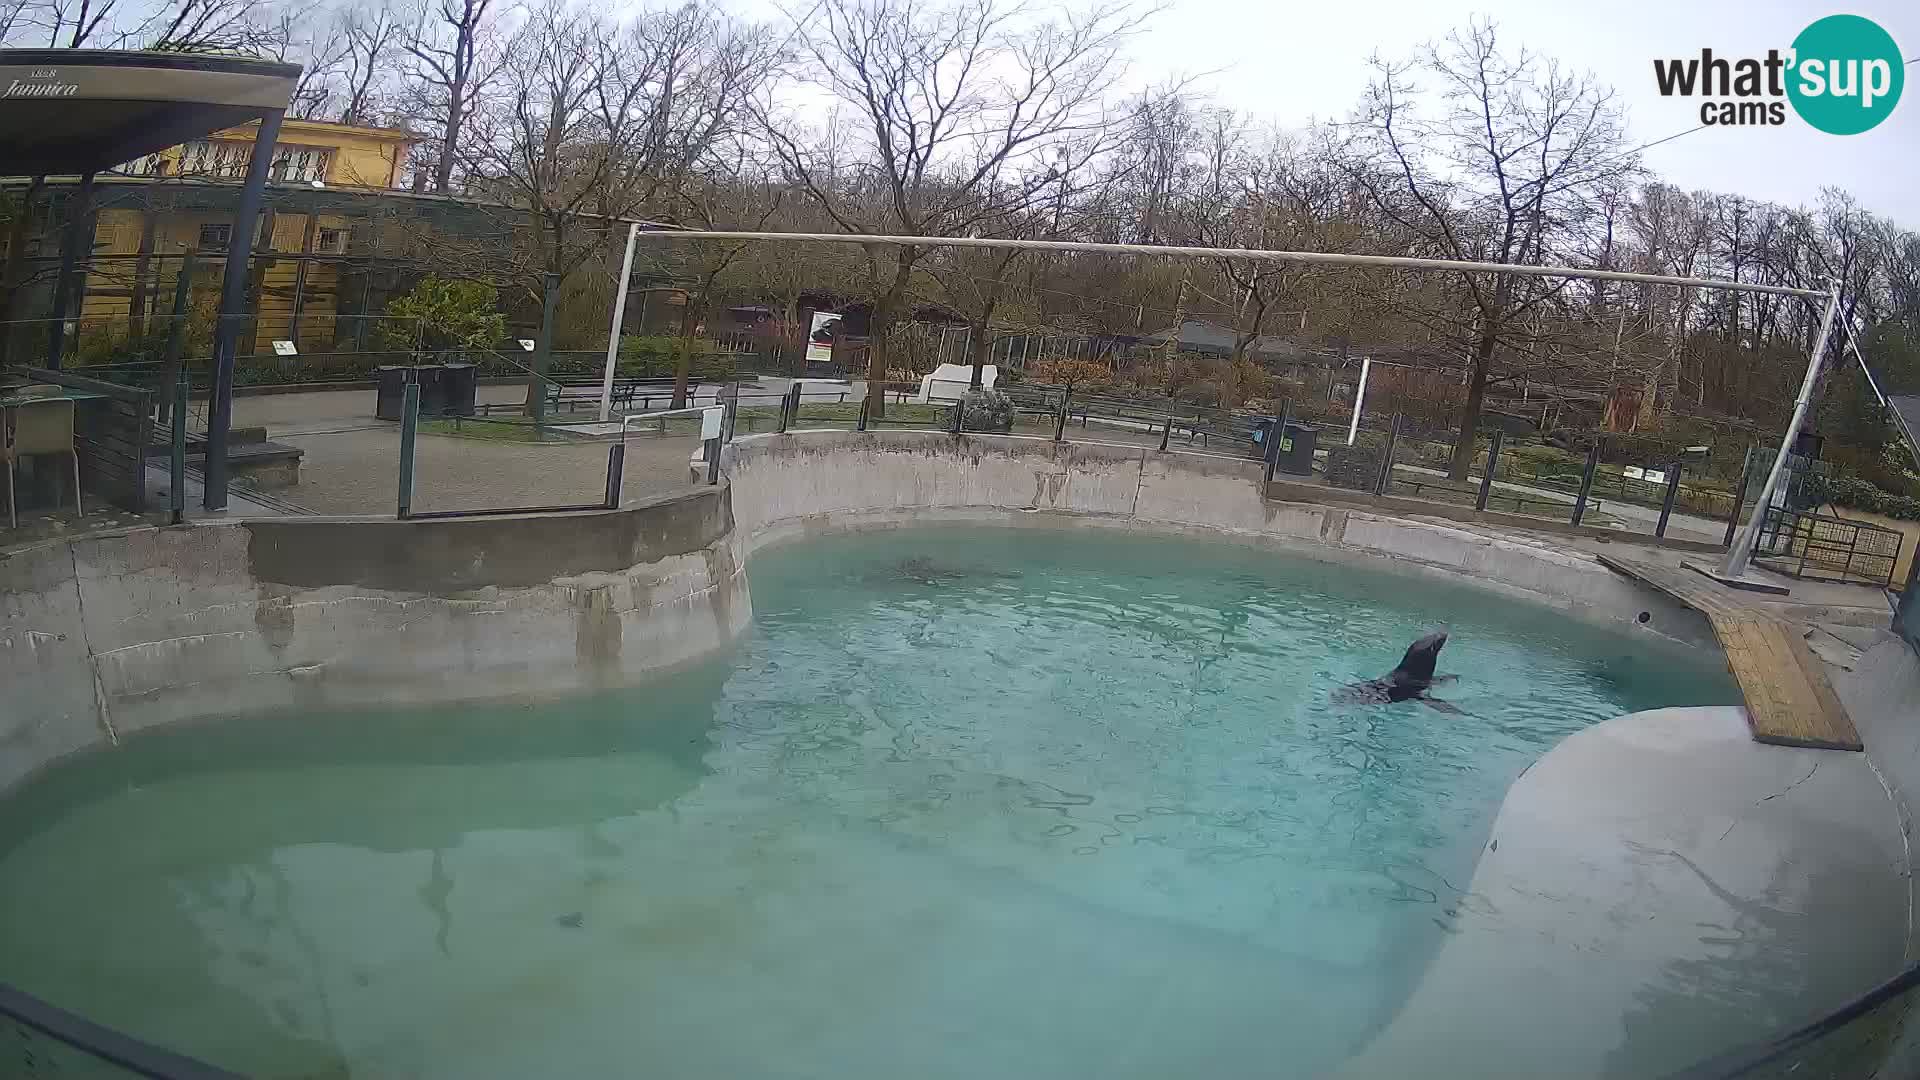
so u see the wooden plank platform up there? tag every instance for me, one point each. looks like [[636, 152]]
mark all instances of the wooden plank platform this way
[[1789, 700]]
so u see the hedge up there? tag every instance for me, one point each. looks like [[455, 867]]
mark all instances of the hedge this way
[[1859, 494]]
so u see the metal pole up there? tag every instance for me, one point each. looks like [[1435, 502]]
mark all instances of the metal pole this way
[[176, 334], [1166, 433], [618, 324], [1359, 396], [233, 303], [1586, 483], [616, 472], [1666, 504], [959, 416], [860, 424], [177, 451], [78, 212], [1384, 485], [409, 423], [1486, 480], [1325, 258], [1740, 553], [1739, 500]]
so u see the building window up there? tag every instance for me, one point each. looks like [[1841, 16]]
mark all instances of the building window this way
[[215, 237], [331, 241], [301, 164], [222, 159]]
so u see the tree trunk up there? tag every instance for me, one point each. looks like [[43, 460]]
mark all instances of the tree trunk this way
[[881, 322], [1463, 447], [979, 351], [443, 169], [683, 362]]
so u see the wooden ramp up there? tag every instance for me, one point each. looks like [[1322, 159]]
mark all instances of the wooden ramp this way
[[1789, 701]]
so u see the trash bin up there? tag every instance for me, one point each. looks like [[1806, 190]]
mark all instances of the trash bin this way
[[459, 381], [433, 390], [389, 390], [1262, 426], [1296, 449]]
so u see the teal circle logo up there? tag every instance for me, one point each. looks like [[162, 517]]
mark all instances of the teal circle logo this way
[[1846, 76]]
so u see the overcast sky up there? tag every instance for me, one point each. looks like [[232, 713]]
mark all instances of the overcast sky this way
[[1294, 62], [1298, 61]]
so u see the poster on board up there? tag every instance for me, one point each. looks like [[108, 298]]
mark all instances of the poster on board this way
[[820, 339]]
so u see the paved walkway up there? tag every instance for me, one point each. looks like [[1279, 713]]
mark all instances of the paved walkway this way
[[352, 461]]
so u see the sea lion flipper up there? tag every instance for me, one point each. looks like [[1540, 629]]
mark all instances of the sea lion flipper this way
[[1442, 706]]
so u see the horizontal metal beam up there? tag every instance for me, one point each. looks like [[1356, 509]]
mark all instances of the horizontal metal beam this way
[[1385, 262]]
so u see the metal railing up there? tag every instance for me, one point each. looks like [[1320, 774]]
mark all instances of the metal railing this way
[[1852, 1041], [1814, 547], [51, 1041]]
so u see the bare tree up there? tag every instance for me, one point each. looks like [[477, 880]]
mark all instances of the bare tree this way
[[1504, 170], [593, 123], [954, 117], [452, 52]]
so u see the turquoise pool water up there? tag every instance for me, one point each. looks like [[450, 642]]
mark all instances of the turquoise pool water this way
[[967, 803]]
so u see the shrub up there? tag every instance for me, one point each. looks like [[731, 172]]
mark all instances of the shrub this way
[[443, 313], [1860, 494]]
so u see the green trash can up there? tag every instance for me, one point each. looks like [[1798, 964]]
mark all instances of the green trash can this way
[[1296, 449]]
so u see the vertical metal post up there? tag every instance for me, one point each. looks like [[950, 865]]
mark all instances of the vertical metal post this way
[[78, 215], [1275, 434], [1383, 485], [1666, 504], [177, 451], [176, 333], [233, 304], [1486, 480], [409, 424], [616, 472], [1586, 483], [1739, 500], [860, 423], [618, 324], [1740, 552], [1060, 421], [1359, 398], [1166, 433]]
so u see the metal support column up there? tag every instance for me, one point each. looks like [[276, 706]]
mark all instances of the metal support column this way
[[1486, 478], [1383, 484], [233, 304], [409, 425], [79, 213], [1586, 483], [1666, 504], [1740, 552]]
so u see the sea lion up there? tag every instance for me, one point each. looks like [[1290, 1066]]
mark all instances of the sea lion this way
[[1407, 682]]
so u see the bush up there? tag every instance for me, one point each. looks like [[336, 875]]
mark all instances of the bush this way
[[1859, 494], [442, 314]]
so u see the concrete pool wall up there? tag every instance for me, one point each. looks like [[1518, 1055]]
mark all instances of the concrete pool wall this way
[[811, 482], [106, 635]]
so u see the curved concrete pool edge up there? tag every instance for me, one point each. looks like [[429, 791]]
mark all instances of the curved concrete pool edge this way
[[814, 482], [106, 635]]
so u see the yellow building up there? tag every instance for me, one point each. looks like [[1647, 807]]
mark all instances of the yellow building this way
[[152, 211]]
